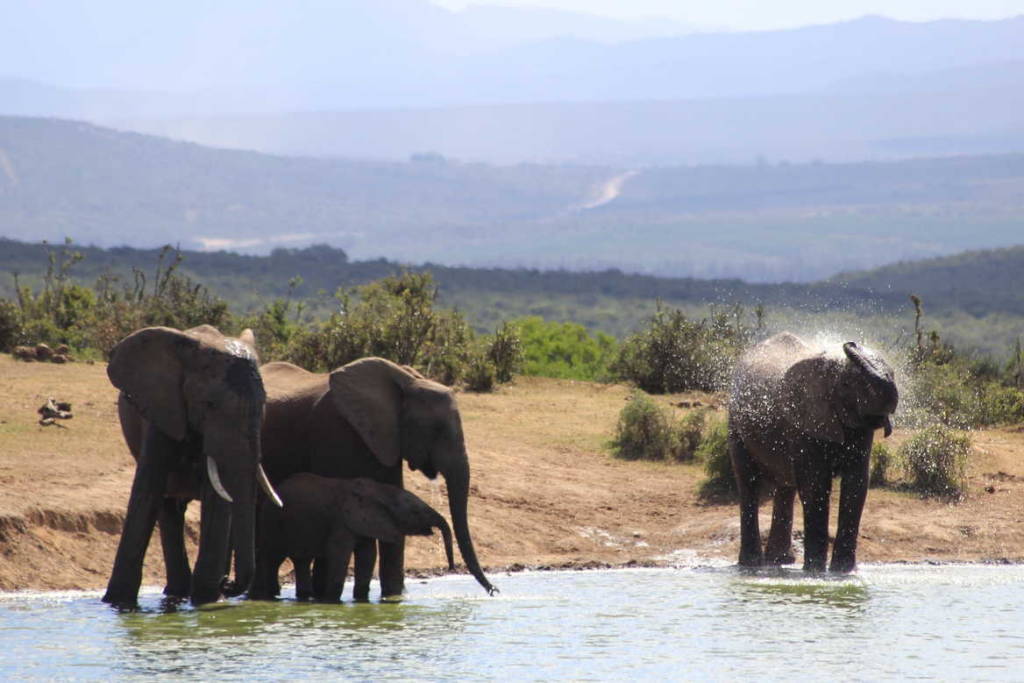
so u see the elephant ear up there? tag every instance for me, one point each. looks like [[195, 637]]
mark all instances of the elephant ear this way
[[369, 511], [147, 367], [808, 397], [369, 393]]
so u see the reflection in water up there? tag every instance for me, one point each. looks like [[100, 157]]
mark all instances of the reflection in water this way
[[793, 587], [721, 623], [224, 639]]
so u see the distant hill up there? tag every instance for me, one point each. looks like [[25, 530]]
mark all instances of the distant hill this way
[[353, 54], [765, 222], [976, 282]]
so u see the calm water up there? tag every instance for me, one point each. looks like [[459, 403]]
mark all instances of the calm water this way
[[886, 622]]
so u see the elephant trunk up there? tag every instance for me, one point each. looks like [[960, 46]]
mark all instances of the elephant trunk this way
[[457, 479], [241, 484], [446, 533]]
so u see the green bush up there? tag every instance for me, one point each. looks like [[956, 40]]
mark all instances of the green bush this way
[[564, 350], [690, 434], [934, 461], [719, 482], [881, 460], [676, 354], [505, 352], [644, 431], [10, 325], [481, 375], [963, 395]]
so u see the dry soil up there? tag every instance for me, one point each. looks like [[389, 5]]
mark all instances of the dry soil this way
[[545, 491]]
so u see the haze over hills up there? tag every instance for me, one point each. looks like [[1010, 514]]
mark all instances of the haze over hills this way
[[385, 80], [766, 222]]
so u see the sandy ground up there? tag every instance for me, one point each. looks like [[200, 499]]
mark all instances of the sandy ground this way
[[545, 491]]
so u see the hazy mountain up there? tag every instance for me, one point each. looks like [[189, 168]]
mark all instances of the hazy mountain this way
[[317, 54], [388, 79], [731, 130], [761, 222]]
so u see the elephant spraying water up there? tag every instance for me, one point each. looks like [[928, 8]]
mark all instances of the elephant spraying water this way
[[799, 416]]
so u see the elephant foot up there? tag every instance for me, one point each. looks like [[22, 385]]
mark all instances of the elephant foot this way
[[775, 559], [843, 565], [172, 591], [814, 566], [751, 560], [202, 595]]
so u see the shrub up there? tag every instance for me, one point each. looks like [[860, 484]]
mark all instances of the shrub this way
[[10, 325], [676, 354], [644, 430], [881, 459], [505, 352], [564, 350], [690, 434], [713, 452], [393, 318], [481, 375], [934, 461]]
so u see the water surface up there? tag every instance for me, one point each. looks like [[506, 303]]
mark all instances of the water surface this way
[[885, 622]]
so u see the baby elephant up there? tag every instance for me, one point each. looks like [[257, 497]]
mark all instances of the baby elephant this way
[[324, 518]]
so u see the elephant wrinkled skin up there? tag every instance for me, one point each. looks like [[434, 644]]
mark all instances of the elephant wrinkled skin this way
[[190, 408], [324, 517], [797, 418], [362, 420]]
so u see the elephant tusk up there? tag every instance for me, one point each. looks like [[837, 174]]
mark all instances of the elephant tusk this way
[[211, 471], [261, 476]]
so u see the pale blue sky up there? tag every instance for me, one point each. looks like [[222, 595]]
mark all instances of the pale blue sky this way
[[759, 14]]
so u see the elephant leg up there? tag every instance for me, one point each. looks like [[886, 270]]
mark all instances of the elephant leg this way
[[780, 538], [852, 494], [815, 491], [266, 568], [366, 558], [392, 569], [339, 552], [143, 507], [319, 582], [172, 538], [214, 548], [747, 478], [303, 581]]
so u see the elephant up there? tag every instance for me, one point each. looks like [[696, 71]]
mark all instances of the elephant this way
[[798, 417], [324, 517], [362, 420], [190, 407]]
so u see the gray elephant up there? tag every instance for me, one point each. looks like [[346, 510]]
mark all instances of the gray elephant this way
[[190, 408], [363, 420], [798, 417], [324, 517]]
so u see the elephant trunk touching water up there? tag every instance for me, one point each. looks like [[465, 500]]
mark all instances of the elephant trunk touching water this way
[[363, 420], [798, 417]]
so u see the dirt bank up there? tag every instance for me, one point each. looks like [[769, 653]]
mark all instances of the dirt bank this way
[[545, 491]]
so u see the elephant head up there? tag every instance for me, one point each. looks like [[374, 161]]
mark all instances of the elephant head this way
[[375, 510], [400, 415], [204, 389], [826, 395]]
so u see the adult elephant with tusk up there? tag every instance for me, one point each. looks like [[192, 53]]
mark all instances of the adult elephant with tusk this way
[[190, 406], [799, 416], [363, 420]]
